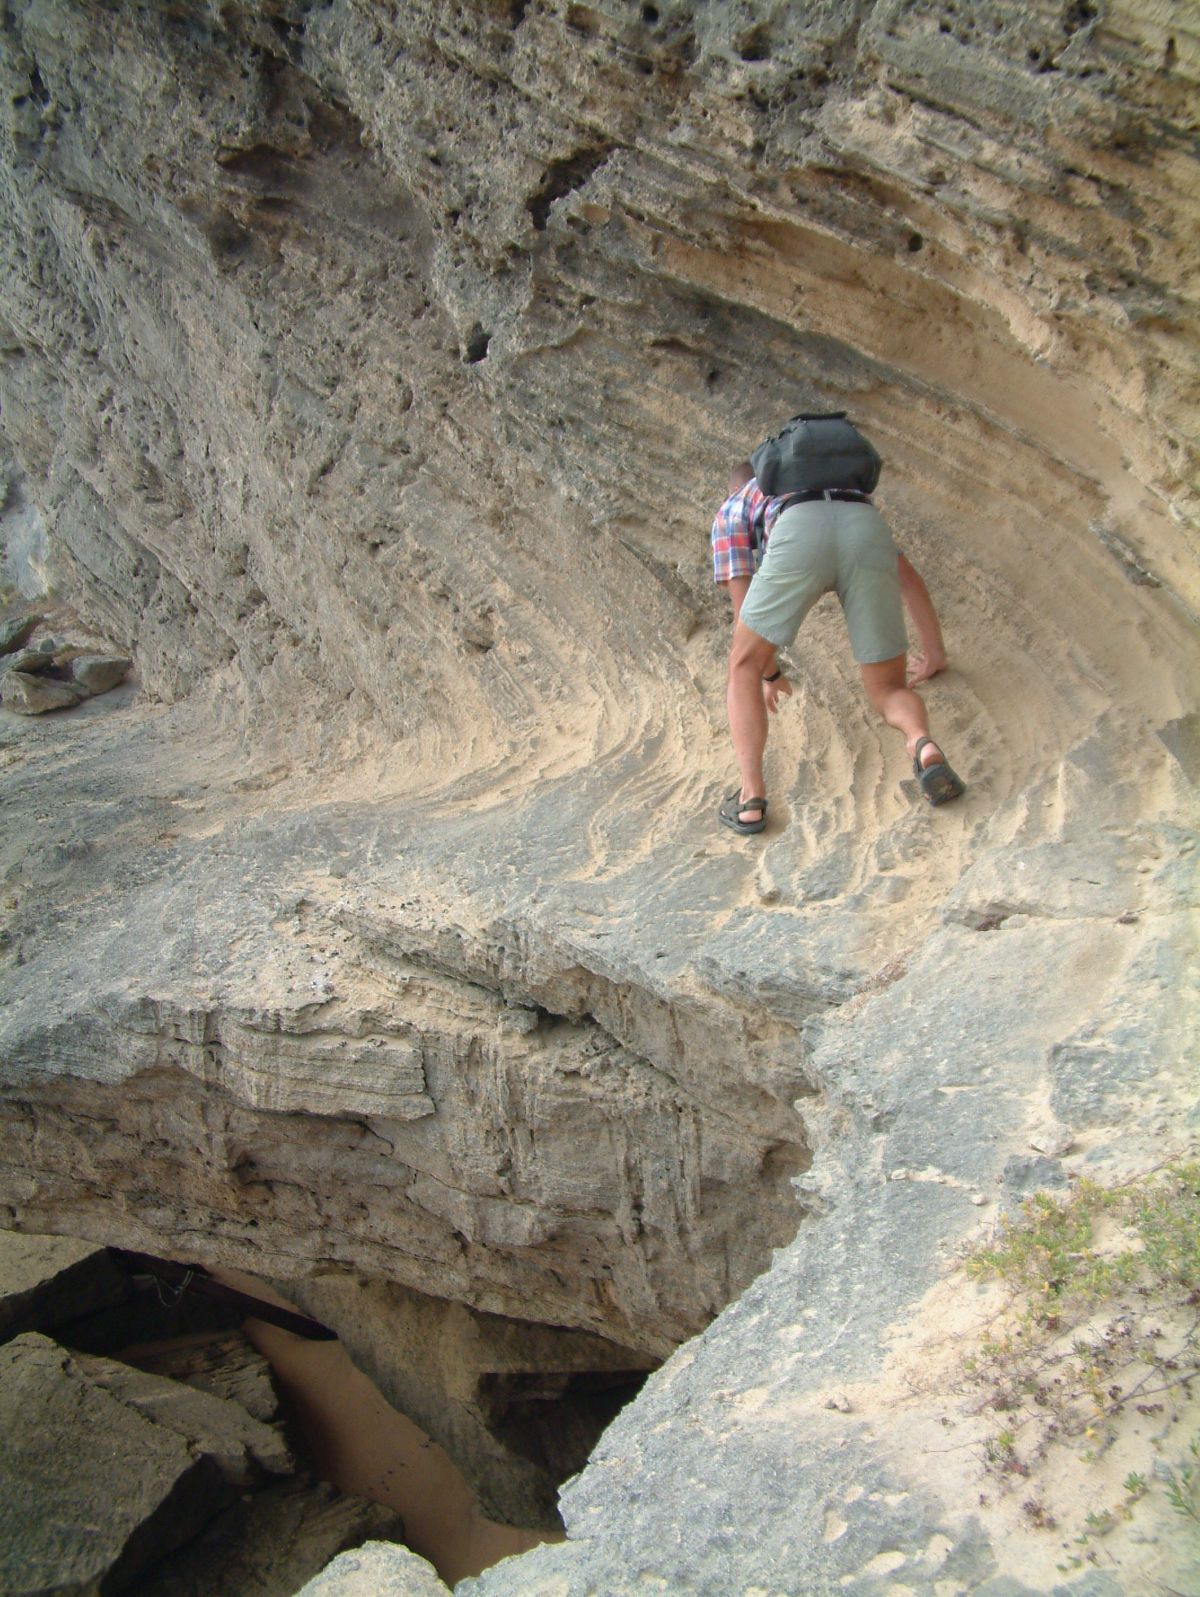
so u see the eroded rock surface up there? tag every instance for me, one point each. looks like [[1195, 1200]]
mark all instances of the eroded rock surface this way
[[373, 1568], [148, 1472], [222, 1363], [370, 375], [26, 694], [94, 1491]]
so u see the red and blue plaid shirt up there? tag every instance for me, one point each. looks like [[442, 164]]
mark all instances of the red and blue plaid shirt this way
[[740, 532]]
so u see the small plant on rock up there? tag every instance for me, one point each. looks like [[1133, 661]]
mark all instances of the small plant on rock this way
[[1103, 1322], [1183, 1484]]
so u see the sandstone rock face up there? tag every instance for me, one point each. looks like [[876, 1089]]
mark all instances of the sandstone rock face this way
[[515, 1153], [370, 376]]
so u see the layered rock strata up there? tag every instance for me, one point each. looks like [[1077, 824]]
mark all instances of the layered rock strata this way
[[322, 1101]]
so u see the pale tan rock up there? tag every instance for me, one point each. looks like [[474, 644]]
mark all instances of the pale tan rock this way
[[221, 1362], [36, 695], [31, 661], [376, 382], [98, 673], [15, 630], [377, 1569], [243, 1449], [93, 1491]]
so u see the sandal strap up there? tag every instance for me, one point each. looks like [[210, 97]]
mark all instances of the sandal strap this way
[[734, 805], [925, 743]]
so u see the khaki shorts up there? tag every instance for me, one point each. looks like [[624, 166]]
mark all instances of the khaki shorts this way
[[830, 546]]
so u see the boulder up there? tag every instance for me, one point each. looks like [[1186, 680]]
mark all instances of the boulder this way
[[35, 695], [122, 1480], [271, 1545], [224, 1363], [15, 631], [31, 661], [98, 673], [378, 1569], [94, 1489], [244, 1449]]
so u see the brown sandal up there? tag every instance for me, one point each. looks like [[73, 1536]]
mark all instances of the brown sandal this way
[[938, 782], [731, 814]]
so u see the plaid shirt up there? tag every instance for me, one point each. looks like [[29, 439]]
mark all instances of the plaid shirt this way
[[740, 532]]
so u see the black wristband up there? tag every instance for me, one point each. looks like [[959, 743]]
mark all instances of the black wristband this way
[[774, 677]]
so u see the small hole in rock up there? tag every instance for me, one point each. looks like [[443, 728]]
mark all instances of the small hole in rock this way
[[477, 345], [754, 45]]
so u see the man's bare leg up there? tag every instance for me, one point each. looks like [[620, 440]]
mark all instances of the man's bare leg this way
[[750, 659], [899, 705], [902, 708]]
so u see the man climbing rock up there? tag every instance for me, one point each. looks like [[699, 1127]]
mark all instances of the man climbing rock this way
[[806, 496]]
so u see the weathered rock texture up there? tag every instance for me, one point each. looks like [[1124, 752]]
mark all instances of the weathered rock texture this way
[[370, 374], [159, 1473], [376, 1567], [222, 1363], [93, 1490]]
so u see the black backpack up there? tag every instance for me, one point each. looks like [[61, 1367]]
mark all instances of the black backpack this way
[[816, 451]]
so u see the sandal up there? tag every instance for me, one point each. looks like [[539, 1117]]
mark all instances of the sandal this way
[[938, 782], [731, 814]]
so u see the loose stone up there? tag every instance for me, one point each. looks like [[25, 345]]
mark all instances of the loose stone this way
[[97, 673], [32, 661], [35, 695], [15, 631]]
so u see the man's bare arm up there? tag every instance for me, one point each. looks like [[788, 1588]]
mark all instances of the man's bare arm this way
[[737, 588], [780, 687], [930, 656]]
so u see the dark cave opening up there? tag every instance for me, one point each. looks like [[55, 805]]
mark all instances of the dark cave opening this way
[[555, 1419], [516, 1435]]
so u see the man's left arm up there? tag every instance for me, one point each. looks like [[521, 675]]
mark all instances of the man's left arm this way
[[930, 657], [737, 588], [775, 685]]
